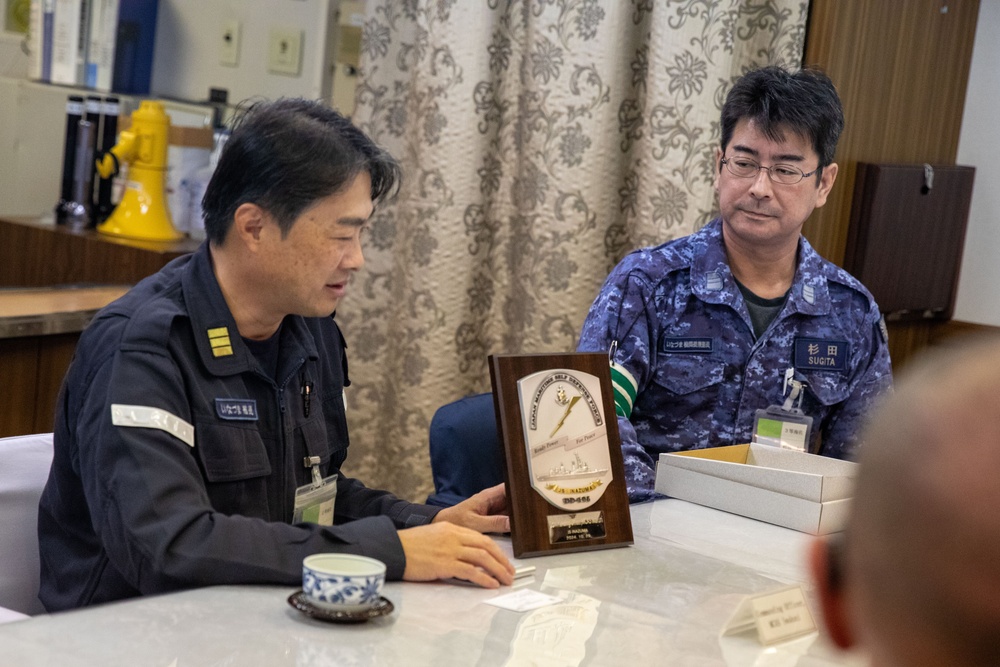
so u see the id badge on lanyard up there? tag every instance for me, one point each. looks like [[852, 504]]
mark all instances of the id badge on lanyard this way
[[785, 425], [314, 502]]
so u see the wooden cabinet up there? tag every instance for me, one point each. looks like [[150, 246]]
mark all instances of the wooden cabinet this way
[[74, 274], [36, 254], [902, 69]]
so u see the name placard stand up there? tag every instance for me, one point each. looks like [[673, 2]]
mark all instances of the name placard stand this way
[[776, 616], [564, 473]]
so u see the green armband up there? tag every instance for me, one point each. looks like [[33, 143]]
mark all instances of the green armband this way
[[625, 388]]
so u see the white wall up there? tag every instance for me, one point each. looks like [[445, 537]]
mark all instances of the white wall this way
[[978, 298], [189, 38], [13, 60]]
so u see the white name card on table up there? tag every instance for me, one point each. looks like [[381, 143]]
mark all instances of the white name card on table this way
[[778, 616], [523, 600]]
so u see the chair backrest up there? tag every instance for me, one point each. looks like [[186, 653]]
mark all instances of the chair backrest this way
[[24, 467], [466, 455]]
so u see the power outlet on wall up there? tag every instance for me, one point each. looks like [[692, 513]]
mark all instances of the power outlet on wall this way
[[284, 55], [229, 46]]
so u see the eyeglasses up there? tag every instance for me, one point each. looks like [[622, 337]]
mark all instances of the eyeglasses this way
[[786, 174]]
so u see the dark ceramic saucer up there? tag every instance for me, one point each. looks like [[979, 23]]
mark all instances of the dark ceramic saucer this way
[[299, 600]]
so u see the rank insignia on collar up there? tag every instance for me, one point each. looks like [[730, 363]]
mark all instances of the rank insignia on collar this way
[[218, 338]]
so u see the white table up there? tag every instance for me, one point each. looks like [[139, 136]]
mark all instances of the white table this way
[[662, 601]]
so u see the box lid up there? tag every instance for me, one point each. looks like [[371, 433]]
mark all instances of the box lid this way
[[752, 501], [795, 474]]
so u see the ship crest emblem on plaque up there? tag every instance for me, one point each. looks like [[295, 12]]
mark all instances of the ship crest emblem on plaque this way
[[566, 437], [562, 398]]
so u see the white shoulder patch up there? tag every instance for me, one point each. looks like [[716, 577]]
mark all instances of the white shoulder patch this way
[[142, 416]]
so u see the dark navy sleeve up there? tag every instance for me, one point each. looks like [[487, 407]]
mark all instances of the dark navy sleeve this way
[[355, 502], [841, 429]]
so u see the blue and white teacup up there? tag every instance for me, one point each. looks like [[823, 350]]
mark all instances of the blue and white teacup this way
[[342, 582]]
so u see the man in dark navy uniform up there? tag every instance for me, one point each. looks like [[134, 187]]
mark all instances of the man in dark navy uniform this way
[[743, 315], [201, 426]]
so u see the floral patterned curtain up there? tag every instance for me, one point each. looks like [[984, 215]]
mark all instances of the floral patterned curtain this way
[[541, 140]]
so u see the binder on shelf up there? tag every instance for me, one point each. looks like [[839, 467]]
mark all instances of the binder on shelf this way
[[66, 41], [40, 40], [101, 45], [35, 41], [83, 40], [134, 44]]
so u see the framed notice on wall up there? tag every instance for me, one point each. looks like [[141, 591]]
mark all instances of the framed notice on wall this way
[[565, 477]]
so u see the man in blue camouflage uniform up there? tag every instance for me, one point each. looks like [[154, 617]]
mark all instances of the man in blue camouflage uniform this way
[[705, 330], [206, 405]]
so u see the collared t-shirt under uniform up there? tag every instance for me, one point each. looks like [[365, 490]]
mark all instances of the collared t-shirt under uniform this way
[[685, 336], [177, 457]]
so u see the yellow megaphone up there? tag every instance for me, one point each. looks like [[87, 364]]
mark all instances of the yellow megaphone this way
[[142, 212]]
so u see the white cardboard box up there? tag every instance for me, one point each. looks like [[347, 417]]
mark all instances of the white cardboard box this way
[[800, 491]]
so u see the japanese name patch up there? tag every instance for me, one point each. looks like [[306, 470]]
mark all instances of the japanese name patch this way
[[814, 354], [676, 345], [241, 409]]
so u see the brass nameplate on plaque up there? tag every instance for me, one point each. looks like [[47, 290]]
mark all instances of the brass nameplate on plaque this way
[[576, 527], [565, 477]]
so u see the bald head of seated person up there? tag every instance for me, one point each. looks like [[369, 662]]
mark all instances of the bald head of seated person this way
[[201, 427], [915, 578]]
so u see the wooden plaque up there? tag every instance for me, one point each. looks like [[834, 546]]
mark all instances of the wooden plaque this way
[[565, 477]]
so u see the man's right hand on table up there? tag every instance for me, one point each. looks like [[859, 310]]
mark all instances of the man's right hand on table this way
[[443, 550]]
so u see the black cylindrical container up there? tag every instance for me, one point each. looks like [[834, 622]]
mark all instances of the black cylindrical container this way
[[94, 114], [78, 208], [74, 114], [110, 108]]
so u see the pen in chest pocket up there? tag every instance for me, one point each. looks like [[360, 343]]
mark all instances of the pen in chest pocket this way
[[307, 387]]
